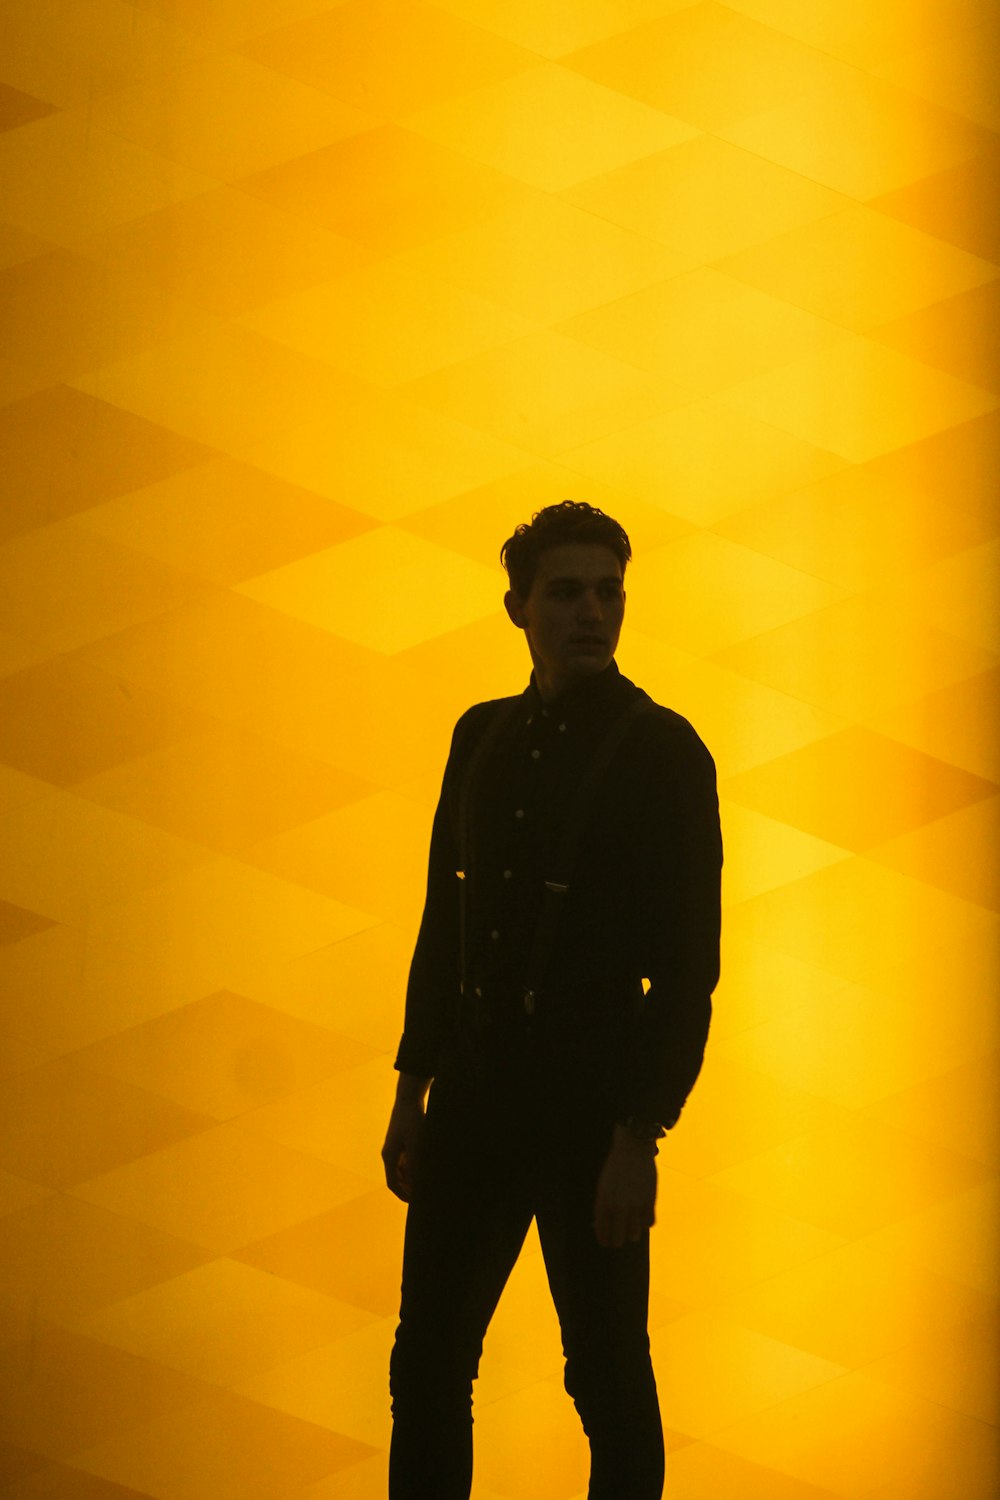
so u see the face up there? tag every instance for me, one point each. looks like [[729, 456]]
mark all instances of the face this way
[[572, 616]]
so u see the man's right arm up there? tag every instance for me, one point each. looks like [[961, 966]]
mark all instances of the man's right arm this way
[[432, 991], [403, 1135]]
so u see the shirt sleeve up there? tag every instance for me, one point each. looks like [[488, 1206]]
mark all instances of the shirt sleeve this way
[[432, 991], [681, 920]]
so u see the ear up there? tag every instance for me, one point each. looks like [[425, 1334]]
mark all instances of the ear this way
[[512, 604]]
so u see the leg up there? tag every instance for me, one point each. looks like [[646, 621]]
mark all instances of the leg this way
[[465, 1225], [602, 1298]]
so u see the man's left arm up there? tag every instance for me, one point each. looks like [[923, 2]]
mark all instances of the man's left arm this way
[[681, 919], [682, 933], [680, 916]]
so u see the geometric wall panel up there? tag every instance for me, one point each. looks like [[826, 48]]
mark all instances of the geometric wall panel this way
[[307, 305]]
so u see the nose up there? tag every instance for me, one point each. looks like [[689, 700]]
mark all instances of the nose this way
[[590, 605]]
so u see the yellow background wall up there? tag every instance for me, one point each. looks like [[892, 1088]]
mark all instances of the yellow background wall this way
[[305, 306]]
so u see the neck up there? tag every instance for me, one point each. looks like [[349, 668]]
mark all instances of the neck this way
[[549, 687], [552, 685]]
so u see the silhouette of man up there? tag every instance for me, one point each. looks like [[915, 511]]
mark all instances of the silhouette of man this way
[[557, 1010]]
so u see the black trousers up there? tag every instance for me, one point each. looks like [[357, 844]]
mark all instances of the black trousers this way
[[505, 1141]]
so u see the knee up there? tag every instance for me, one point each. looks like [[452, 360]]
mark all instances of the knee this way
[[614, 1379], [617, 1403], [432, 1373]]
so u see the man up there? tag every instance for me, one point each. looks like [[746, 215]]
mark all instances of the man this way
[[575, 854]]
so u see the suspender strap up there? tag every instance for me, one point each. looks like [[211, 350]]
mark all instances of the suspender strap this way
[[557, 887], [464, 829]]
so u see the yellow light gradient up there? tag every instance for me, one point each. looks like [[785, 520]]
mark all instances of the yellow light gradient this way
[[306, 305]]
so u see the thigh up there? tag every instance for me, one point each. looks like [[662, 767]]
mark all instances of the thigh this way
[[601, 1294], [469, 1212]]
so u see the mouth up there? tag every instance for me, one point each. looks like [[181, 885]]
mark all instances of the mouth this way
[[588, 640]]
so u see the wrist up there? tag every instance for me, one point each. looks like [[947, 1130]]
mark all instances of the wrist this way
[[643, 1127], [411, 1090], [626, 1138]]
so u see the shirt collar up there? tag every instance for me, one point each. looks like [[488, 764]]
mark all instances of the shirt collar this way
[[583, 701]]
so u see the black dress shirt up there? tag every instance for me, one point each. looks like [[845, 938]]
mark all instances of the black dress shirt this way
[[643, 902]]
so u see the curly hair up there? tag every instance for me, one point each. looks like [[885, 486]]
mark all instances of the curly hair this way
[[554, 526]]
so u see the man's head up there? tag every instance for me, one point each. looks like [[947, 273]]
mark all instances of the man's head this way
[[566, 572]]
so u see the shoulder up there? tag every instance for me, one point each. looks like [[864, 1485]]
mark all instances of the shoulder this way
[[482, 714], [669, 731], [672, 742], [477, 721], [673, 778]]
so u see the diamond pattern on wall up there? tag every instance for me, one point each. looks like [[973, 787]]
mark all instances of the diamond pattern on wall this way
[[838, 268], [365, 53], [709, 65], [307, 304], [860, 136], [705, 199]]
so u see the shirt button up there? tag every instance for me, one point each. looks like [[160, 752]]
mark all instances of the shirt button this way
[[519, 813], [495, 935], [536, 755], [507, 874], [562, 728]]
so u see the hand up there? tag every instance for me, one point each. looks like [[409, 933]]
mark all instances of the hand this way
[[625, 1201], [403, 1136]]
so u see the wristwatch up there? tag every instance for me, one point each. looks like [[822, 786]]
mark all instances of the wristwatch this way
[[644, 1130]]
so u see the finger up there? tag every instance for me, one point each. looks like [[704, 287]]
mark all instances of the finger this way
[[602, 1225], [396, 1176], [403, 1176], [636, 1225], [389, 1168], [614, 1230]]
